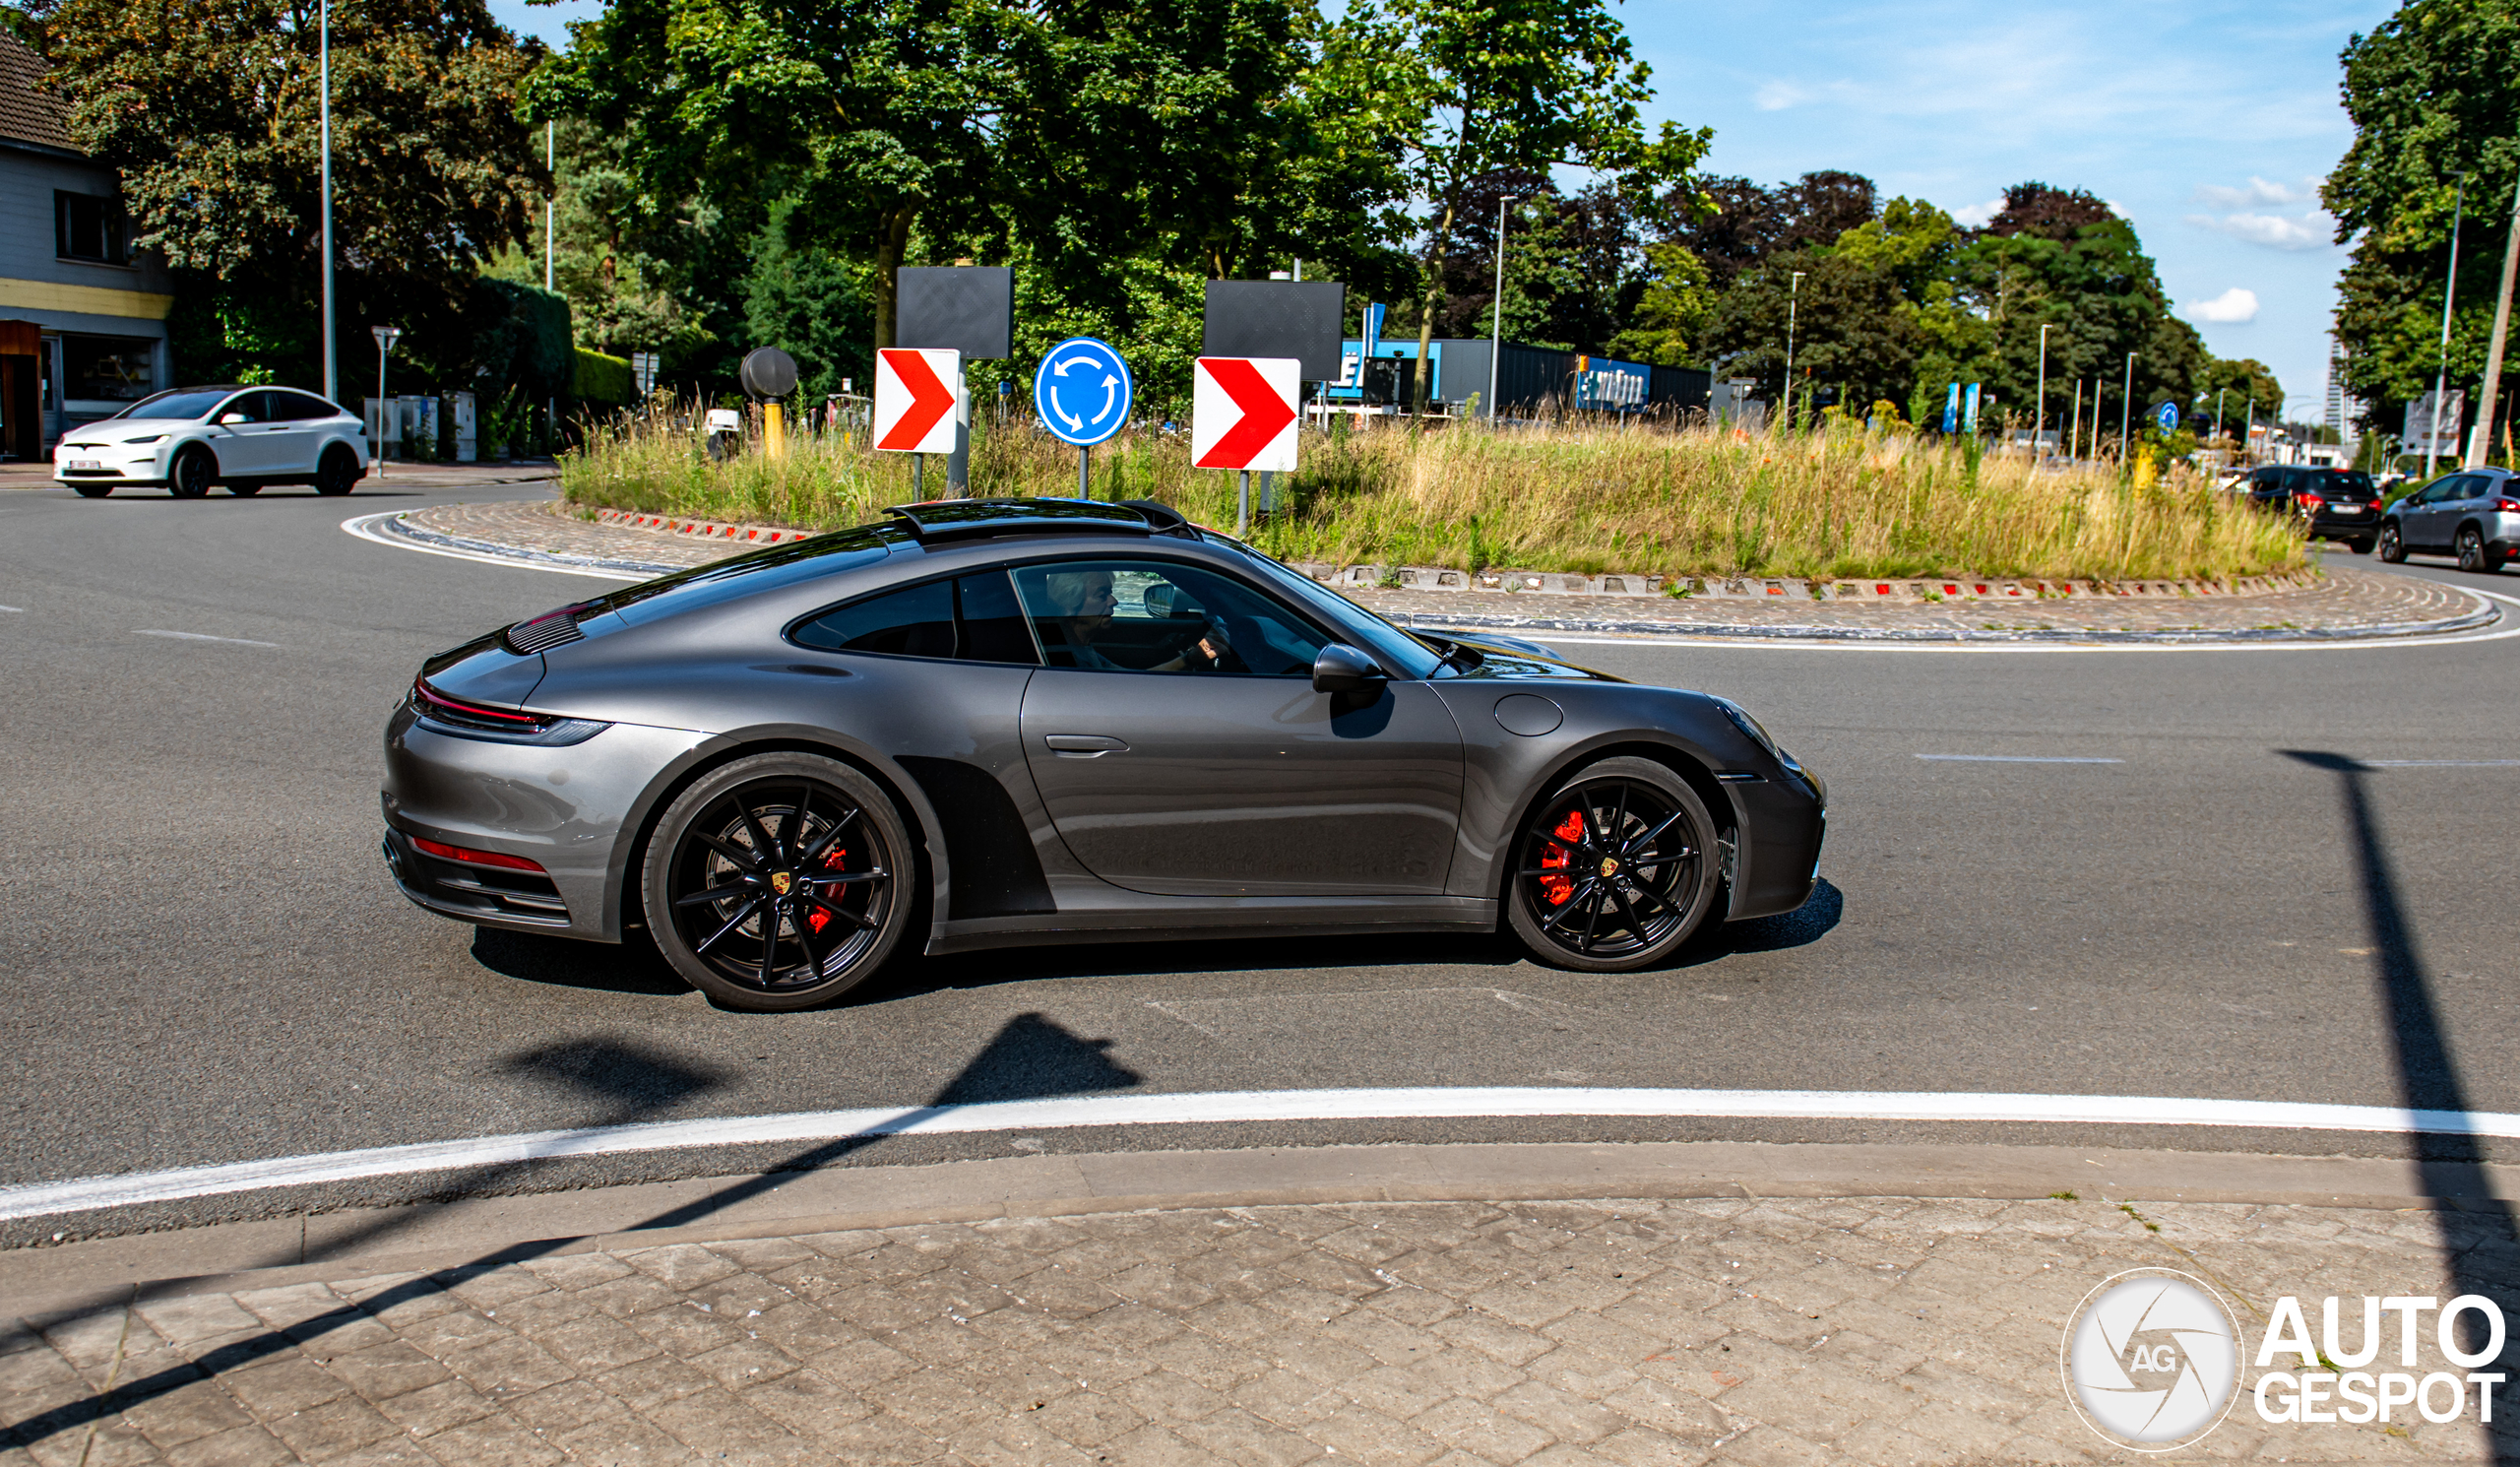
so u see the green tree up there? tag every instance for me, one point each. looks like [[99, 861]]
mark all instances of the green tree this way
[[1468, 88], [1673, 312], [2239, 392], [209, 110], [2432, 98], [1854, 338]]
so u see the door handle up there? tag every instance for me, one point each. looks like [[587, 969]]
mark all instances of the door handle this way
[[1084, 745]]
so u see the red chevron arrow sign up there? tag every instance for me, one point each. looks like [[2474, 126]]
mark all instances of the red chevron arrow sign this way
[[1242, 412], [914, 399]]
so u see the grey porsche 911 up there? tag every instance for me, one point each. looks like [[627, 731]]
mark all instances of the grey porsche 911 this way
[[988, 722]]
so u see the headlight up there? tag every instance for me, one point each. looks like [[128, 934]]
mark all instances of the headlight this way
[[152, 438]]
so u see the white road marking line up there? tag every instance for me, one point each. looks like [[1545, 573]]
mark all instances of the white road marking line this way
[[201, 637], [2014, 759], [2440, 763], [363, 526], [20, 610], [43, 1199]]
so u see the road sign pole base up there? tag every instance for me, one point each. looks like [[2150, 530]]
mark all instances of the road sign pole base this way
[[1242, 505], [1083, 473], [919, 475]]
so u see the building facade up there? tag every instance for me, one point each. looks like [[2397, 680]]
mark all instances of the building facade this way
[[82, 315]]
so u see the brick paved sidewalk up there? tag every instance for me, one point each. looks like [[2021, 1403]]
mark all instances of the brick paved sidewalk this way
[[2345, 601], [1553, 1333]]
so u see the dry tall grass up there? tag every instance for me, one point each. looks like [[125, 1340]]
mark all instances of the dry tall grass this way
[[1579, 496]]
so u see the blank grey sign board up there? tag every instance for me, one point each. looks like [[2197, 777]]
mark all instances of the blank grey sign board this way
[[1277, 318], [966, 309]]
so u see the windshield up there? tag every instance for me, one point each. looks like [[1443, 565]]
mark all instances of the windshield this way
[[2339, 481], [183, 402], [1402, 655]]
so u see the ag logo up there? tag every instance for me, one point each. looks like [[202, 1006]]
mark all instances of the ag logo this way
[[2151, 1360]]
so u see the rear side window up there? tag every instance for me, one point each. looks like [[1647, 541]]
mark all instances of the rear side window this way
[[972, 619], [297, 406]]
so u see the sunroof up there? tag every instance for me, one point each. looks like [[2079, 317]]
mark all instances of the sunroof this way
[[961, 519]]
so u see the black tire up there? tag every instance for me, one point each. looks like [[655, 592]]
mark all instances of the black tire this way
[[706, 891], [92, 491], [337, 474], [1659, 854], [243, 490], [2392, 544], [2360, 546], [2472, 554], [192, 473]]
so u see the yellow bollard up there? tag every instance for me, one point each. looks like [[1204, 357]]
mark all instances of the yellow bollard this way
[[773, 431]]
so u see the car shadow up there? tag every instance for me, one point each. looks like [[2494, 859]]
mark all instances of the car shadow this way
[[916, 977], [631, 965]]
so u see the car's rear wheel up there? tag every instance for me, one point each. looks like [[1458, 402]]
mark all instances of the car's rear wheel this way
[[192, 473], [2472, 555], [2392, 544], [1614, 870], [779, 881], [337, 474]]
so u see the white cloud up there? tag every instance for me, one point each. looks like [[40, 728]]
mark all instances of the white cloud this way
[[2256, 192], [2230, 308], [2309, 230], [1977, 215], [1776, 97]]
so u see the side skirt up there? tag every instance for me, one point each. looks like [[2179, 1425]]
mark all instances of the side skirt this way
[[1213, 921]]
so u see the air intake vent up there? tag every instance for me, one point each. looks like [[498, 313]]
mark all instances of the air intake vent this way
[[550, 630]]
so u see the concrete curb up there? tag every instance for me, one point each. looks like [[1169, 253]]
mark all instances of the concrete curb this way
[[700, 528], [2473, 620], [1895, 592], [363, 1243]]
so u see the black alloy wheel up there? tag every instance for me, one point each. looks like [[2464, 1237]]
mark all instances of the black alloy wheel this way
[[1614, 870], [2392, 544], [2472, 555], [779, 881], [337, 474], [243, 490], [192, 473]]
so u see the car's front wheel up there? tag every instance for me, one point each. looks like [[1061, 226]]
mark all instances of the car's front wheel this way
[[2392, 544], [1614, 870], [2472, 552], [337, 474], [92, 491], [2361, 546], [244, 488], [779, 881], [192, 473]]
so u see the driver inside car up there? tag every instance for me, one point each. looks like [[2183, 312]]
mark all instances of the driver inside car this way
[[1085, 603]]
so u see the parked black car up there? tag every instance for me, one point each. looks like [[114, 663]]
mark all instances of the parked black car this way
[[2474, 515], [2337, 503]]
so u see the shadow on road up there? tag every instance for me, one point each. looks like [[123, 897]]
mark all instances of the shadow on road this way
[[629, 967], [2477, 1227], [1032, 1058]]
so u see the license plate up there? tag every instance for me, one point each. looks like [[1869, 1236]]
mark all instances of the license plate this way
[[86, 465]]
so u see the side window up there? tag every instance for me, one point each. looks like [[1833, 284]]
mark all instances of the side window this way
[[915, 621], [1159, 617], [974, 619], [253, 406], [297, 406]]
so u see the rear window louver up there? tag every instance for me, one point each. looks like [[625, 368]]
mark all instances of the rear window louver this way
[[550, 630]]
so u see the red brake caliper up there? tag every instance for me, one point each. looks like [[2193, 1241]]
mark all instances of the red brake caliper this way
[[1558, 888], [818, 917]]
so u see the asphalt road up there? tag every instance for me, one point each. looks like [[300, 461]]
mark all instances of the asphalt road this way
[[205, 961]]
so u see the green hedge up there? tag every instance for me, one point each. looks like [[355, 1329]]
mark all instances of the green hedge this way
[[599, 378]]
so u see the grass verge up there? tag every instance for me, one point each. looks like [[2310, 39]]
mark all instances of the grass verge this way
[[1578, 497]]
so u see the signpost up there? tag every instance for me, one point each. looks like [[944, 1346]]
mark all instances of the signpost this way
[[2166, 415], [1242, 417], [1083, 391], [914, 399]]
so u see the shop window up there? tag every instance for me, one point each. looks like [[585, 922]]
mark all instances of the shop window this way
[[108, 368], [89, 228]]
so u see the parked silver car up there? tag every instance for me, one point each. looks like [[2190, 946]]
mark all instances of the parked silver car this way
[[189, 438], [2474, 515]]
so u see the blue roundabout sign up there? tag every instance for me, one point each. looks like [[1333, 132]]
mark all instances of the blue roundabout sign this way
[[2166, 415], [1083, 391]]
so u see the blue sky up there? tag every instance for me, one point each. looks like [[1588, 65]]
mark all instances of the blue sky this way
[[2208, 123]]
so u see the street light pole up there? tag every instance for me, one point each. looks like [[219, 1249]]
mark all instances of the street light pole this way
[[1496, 317], [2127, 409], [2441, 372], [2489, 389], [1794, 298], [324, 73], [2038, 423]]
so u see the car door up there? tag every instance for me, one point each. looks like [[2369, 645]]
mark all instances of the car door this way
[[296, 427], [2430, 524], [242, 436], [1177, 743]]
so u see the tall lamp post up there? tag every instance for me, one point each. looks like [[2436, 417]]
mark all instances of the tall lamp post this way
[[386, 336], [2441, 372], [324, 72], [2127, 409], [1496, 317], [1794, 298], [550, 203], [2038, 423]]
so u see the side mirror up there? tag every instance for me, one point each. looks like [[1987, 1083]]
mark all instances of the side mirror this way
[[226, 419], [1341, 669]]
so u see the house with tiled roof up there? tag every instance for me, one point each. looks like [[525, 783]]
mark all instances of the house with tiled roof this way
[[82, 315]]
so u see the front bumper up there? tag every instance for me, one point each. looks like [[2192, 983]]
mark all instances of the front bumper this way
[[1784, 822], [136, 474]]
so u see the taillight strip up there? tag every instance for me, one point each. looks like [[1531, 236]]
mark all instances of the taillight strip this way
[[430, 695], [445, 851]]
